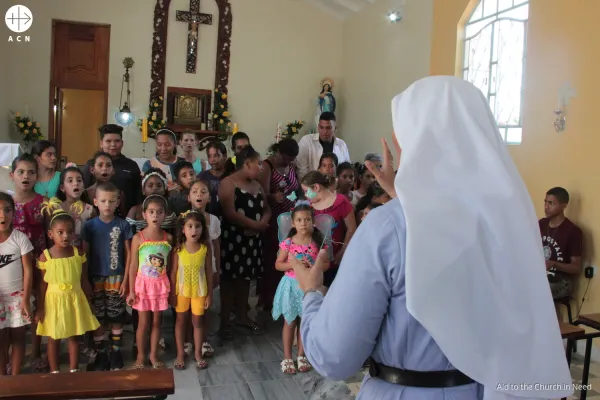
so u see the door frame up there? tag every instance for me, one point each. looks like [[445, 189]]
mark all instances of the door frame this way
[[54, 124]]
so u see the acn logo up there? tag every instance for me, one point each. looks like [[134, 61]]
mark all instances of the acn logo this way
[[18, 18]]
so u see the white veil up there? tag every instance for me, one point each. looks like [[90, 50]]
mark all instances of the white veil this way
[[475, 272]]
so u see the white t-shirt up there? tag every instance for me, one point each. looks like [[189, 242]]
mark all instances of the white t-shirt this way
[[214, 232], [11, 267]]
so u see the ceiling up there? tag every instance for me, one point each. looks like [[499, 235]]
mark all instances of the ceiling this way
[[341, 8]]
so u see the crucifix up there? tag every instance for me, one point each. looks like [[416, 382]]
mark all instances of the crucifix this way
[[193, 17]]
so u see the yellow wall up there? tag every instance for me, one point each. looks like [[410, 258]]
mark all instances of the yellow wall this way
[[563, 46]]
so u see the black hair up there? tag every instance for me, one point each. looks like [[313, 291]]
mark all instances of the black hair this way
[[108, 187], [25, 157], [60, 194], [40, 146], [109, 129], [219, 146], [287, 146], [373, 191], [238, 136], [331, 156], [156, 199], [358, 212], [343, 167], [327, 116], [169, 133], [317, 236], [99, 154], [60, 215], [316, 178], [247, 153], [560, 193], [161, 173], [180, 166], [8, 198], [198, 217]]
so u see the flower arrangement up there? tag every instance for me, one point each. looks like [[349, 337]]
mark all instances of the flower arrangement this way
[[221, 115], [292, 129], [29, 130], [155, 121]]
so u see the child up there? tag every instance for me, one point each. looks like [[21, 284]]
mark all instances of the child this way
[[365, 180], [73, 199], [63, 307], [217, 156], [148, 281], [102, 169], [166, 156], [28, 219], [327, 164], [304, 242], [107, 239], [317, 189], [16, 279], [366, 211], [185, 176], [48, 181], [345, 180], [200, 200], [189, 145], [154, 182], [375, 194], [191, 283]]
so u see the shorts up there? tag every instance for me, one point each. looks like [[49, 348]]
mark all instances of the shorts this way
[[108, 305], [10, 310], [184, 303]]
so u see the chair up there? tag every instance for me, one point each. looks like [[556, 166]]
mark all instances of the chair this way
[[566, 301]]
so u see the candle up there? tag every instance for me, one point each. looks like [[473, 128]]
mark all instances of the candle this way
[[235, 127], [144, 130]]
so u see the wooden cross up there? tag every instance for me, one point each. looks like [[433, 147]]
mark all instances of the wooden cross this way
[[193, 17]]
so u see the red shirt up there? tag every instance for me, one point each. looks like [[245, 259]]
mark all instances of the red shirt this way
[[339, 210], [562, 242]]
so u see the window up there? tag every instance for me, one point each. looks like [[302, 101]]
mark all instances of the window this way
[[494, 59]]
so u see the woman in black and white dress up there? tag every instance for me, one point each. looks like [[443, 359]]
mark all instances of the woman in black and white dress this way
[[246, 216]]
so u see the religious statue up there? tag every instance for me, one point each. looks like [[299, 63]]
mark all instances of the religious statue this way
[[326, 100]]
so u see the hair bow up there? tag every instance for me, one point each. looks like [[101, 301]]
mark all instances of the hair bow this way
[[233, 159], [292, 196], [50, 206], [71, 164], [303, 203], [185, 214]]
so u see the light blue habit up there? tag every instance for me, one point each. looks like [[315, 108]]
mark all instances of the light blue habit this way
[[364, 314]]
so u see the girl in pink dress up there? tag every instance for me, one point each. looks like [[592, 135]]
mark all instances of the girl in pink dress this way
[[149, 283], [318, 189], [29, 220]]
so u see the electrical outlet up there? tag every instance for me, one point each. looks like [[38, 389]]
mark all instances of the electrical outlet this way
[[590, 271]]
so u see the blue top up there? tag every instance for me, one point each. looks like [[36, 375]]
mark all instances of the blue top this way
[[106, 241], [49, 188], [365, 311]]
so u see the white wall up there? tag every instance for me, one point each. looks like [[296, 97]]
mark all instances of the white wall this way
[[380, 59], [281, 50]]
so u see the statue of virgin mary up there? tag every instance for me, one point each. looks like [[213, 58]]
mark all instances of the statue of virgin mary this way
[[326, 100]]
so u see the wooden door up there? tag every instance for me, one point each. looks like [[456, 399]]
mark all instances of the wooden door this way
[[78, 84]]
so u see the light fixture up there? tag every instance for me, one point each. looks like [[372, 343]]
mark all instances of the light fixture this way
[[124, 116], [394, 16]]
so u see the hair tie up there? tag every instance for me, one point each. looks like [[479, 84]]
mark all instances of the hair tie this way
[[153, 196], [147, 176], [71, 164], [185, 214], [50, 206], [233, 160], [303, 203], [168, 131]]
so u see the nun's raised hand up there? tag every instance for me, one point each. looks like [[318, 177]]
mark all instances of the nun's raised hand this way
[[385, 176], [310, 276]]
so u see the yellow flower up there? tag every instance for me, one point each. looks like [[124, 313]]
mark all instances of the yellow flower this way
[[37, 124], [215, 116], [229, 124], [29, 123], [154, 118], [216, 90], [26, 131], [222, 106], [34, 130], [162, 122], [223, 96], [150, 123], [21, 125], [294, 129], [155, 104], [17, 114], [160, 97], [221, 121], [226, 113]]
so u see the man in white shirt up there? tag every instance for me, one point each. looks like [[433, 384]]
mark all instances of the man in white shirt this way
[[314, 145]]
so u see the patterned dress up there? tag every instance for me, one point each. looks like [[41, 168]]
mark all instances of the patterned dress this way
[[29, 220], [152, 286], [241, 254]]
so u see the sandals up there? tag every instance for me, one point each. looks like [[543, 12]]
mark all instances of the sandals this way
[[137, 367], [179, 364], [75, 370], [201, 364], [163, 344], [288, 367], [55, 372], [303, 364], [157, 365], [207, 350]]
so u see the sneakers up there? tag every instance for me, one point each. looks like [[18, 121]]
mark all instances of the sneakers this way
[[116, 360], [101, 362]]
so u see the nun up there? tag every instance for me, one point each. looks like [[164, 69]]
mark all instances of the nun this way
[[443, 288]]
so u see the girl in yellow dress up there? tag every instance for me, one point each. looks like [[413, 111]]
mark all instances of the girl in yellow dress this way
[[191, 283], [63, 307]]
